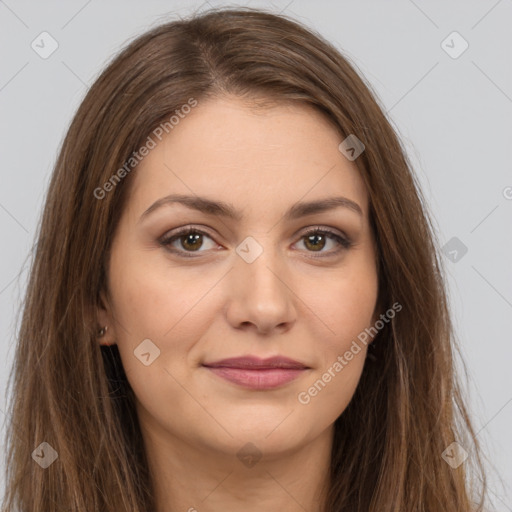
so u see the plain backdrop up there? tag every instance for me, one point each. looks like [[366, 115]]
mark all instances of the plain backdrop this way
[[448, 95]]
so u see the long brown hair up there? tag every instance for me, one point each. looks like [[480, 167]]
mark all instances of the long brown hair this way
[[73, 394]]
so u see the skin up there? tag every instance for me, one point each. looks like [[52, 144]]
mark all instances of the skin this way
[[289, 301]]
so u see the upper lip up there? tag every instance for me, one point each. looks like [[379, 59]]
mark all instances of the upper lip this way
[[256, 363]]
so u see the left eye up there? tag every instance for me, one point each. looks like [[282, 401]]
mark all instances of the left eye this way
[[191, 240], [189, 237], [317, 237]]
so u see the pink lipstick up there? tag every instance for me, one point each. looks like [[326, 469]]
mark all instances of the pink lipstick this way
[[258, 374]]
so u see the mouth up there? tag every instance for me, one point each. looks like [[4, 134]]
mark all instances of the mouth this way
[[258, 374]]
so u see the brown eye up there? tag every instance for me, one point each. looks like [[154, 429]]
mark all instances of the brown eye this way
[[188, 240], [315, 242], [191, 241], [317, 239]]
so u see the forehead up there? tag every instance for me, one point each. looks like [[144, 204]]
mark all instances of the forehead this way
[[257, 158]]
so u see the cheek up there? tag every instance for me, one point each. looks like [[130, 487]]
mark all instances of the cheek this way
[[139, 304], [150, 305], [154, 300], [346, 308], [149, 298], [344, 302]]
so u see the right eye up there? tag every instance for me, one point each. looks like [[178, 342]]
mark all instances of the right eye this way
[[190, 241]]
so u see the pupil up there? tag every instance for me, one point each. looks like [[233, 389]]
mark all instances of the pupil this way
[[315, 244], [193, 239]]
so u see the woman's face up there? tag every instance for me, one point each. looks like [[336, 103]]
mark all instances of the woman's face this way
[[254, 283]]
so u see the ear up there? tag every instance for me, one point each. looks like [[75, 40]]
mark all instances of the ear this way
[[105, 320]]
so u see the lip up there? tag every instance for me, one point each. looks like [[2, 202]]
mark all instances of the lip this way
[[256, 373], [256, 363]]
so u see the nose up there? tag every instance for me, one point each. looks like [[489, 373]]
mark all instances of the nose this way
[[260, 294]]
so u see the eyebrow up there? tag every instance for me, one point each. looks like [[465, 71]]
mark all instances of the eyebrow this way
[[222, 209]]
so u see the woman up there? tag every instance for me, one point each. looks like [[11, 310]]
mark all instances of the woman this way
[[236, 301]]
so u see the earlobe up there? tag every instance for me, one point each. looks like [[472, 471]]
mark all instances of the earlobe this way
[[103, 338], [105, 330]]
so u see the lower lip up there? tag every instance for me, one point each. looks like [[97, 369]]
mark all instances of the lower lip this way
[[258, 379]]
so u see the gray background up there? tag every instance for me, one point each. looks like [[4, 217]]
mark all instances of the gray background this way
[[453, 115]]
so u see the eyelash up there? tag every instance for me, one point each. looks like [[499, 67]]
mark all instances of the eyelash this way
[[167, 240]]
